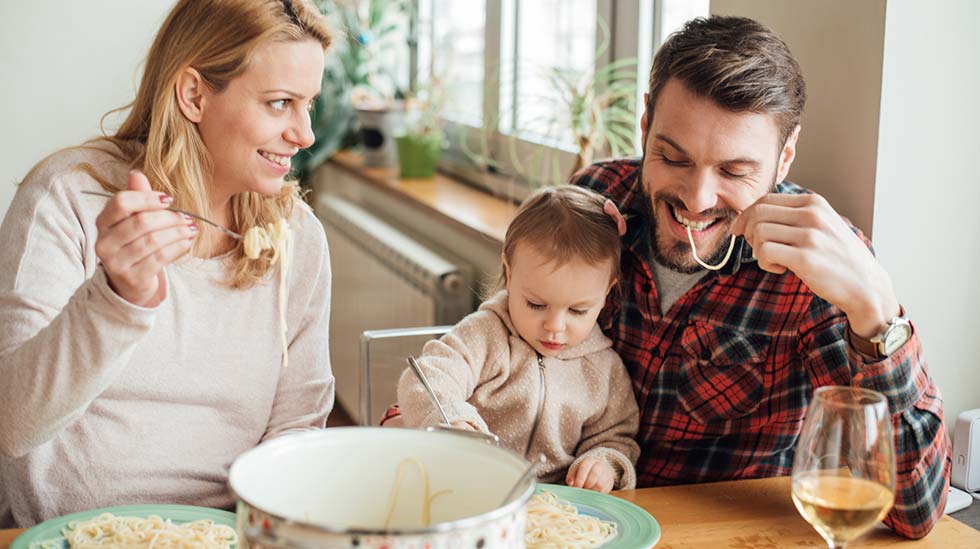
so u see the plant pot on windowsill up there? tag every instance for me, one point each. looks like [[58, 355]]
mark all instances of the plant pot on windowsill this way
[[418, 154]]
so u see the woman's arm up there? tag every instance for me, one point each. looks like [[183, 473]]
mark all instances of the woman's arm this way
[[64, 333]]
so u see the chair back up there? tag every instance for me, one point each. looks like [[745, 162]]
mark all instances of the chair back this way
[[382, 360]]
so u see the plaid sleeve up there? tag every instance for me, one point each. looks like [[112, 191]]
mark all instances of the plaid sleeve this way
[[922, 445]]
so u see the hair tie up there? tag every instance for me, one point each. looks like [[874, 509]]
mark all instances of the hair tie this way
[[612, 211]]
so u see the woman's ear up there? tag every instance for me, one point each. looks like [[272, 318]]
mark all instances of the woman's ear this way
[[190, 94]]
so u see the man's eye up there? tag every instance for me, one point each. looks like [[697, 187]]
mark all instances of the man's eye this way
[[279, 104], [734, 175], [670, 162], [535, 306]]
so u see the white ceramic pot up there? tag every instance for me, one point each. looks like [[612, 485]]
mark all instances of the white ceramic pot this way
[[376, 130], [331, 489]]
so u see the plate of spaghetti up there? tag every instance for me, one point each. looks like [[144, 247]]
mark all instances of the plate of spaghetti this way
[[573, 518], [134, 526]]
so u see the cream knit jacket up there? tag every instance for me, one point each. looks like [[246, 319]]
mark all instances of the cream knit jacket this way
[[485, 373]]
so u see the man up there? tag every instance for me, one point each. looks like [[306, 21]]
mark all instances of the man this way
[[724, 362]]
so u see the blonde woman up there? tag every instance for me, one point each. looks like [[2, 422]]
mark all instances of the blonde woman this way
[[141, 351]]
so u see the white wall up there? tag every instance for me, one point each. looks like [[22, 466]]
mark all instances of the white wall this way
[[838, 45], [64, 65], [890, 137], [927, 195]]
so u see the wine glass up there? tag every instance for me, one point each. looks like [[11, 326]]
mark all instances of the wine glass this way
[[844, 468]]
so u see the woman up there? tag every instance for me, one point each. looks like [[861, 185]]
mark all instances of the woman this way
[[140, 350]]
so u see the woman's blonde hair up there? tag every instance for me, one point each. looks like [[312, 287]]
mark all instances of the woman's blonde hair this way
[[565, 223], [217, 38]]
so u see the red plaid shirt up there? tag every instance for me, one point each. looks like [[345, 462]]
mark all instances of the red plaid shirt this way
[[723, 379]]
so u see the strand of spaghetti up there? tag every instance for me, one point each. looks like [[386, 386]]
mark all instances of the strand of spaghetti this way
[[277, 237], [553, 523], [694, 252], [108, 530]]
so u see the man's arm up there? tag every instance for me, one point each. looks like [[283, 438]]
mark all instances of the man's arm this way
[[922, 445], [803, 234]]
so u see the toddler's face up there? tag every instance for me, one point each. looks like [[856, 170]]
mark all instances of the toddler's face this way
[[554, 307]]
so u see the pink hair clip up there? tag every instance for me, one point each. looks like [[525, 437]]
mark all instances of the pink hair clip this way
[[612, 211]]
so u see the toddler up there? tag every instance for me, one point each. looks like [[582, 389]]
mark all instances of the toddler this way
[[531, 365]]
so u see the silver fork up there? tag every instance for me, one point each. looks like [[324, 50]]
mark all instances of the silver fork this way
[[228, 232]]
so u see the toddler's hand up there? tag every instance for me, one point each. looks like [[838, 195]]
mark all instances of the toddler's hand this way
[[464, 425], [591, 474]]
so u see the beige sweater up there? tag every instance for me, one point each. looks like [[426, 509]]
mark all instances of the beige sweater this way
[[484, 373], [104, 403]]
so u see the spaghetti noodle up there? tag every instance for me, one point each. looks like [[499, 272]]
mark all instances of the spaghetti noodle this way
[[694, 252], [554, 523], [277, 237], [426, 498], [152, 532]]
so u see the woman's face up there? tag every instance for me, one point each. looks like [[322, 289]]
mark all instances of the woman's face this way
[[261, 119]]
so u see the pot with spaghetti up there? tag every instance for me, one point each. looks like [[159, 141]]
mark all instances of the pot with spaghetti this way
[[370, 487]]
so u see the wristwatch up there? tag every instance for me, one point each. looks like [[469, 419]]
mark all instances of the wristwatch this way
[[887, 341]]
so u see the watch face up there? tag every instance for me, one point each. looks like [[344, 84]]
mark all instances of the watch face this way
[[896, 337]]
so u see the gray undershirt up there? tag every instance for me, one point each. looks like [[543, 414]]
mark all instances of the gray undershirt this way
[[671, 284]]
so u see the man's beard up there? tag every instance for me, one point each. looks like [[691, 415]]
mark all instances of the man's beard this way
[[678, 256]]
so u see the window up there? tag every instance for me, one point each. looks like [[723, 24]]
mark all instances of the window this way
[[543, 43], [451, 50], [502, 62]]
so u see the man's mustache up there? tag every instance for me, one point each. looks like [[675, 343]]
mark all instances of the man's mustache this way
[[678, 204]]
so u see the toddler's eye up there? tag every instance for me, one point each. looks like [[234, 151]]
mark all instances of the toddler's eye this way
[[578, 311], [535, 306]]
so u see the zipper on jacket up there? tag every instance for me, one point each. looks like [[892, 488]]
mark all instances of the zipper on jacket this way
[[537, 416]]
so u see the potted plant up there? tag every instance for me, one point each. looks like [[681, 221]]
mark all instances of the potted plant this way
[[594, 107], [420, 143], [359, 99]]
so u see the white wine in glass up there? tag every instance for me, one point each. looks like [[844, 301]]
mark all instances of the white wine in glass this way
[[844, 467]]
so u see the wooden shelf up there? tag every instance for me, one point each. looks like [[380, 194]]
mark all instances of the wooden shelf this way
[[459, 205]]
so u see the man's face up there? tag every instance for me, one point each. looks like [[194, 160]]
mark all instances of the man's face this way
[[702, 166]]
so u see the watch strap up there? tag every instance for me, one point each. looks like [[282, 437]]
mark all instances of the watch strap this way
[[873, 348], [863, 345]]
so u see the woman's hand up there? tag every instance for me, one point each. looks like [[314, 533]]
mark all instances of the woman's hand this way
[[138, 237], [591, 474]]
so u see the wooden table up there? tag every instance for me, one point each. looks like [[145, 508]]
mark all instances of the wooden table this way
[[744, 514]]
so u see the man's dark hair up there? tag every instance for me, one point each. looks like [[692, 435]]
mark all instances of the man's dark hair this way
[[736, 62]]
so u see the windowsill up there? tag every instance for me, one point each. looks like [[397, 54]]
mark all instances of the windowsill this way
[[451, 201]]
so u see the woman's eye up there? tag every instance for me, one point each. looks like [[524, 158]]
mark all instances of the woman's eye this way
[[279, 104], [535, 306], [310, 106]]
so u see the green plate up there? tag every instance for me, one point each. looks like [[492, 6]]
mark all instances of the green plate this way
[[50, 530], [636, 529]]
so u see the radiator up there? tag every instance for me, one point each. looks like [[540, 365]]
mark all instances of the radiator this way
[[382, 278]]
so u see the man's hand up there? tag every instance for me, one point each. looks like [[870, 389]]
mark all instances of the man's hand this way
[[804, 234], [591, 474]]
